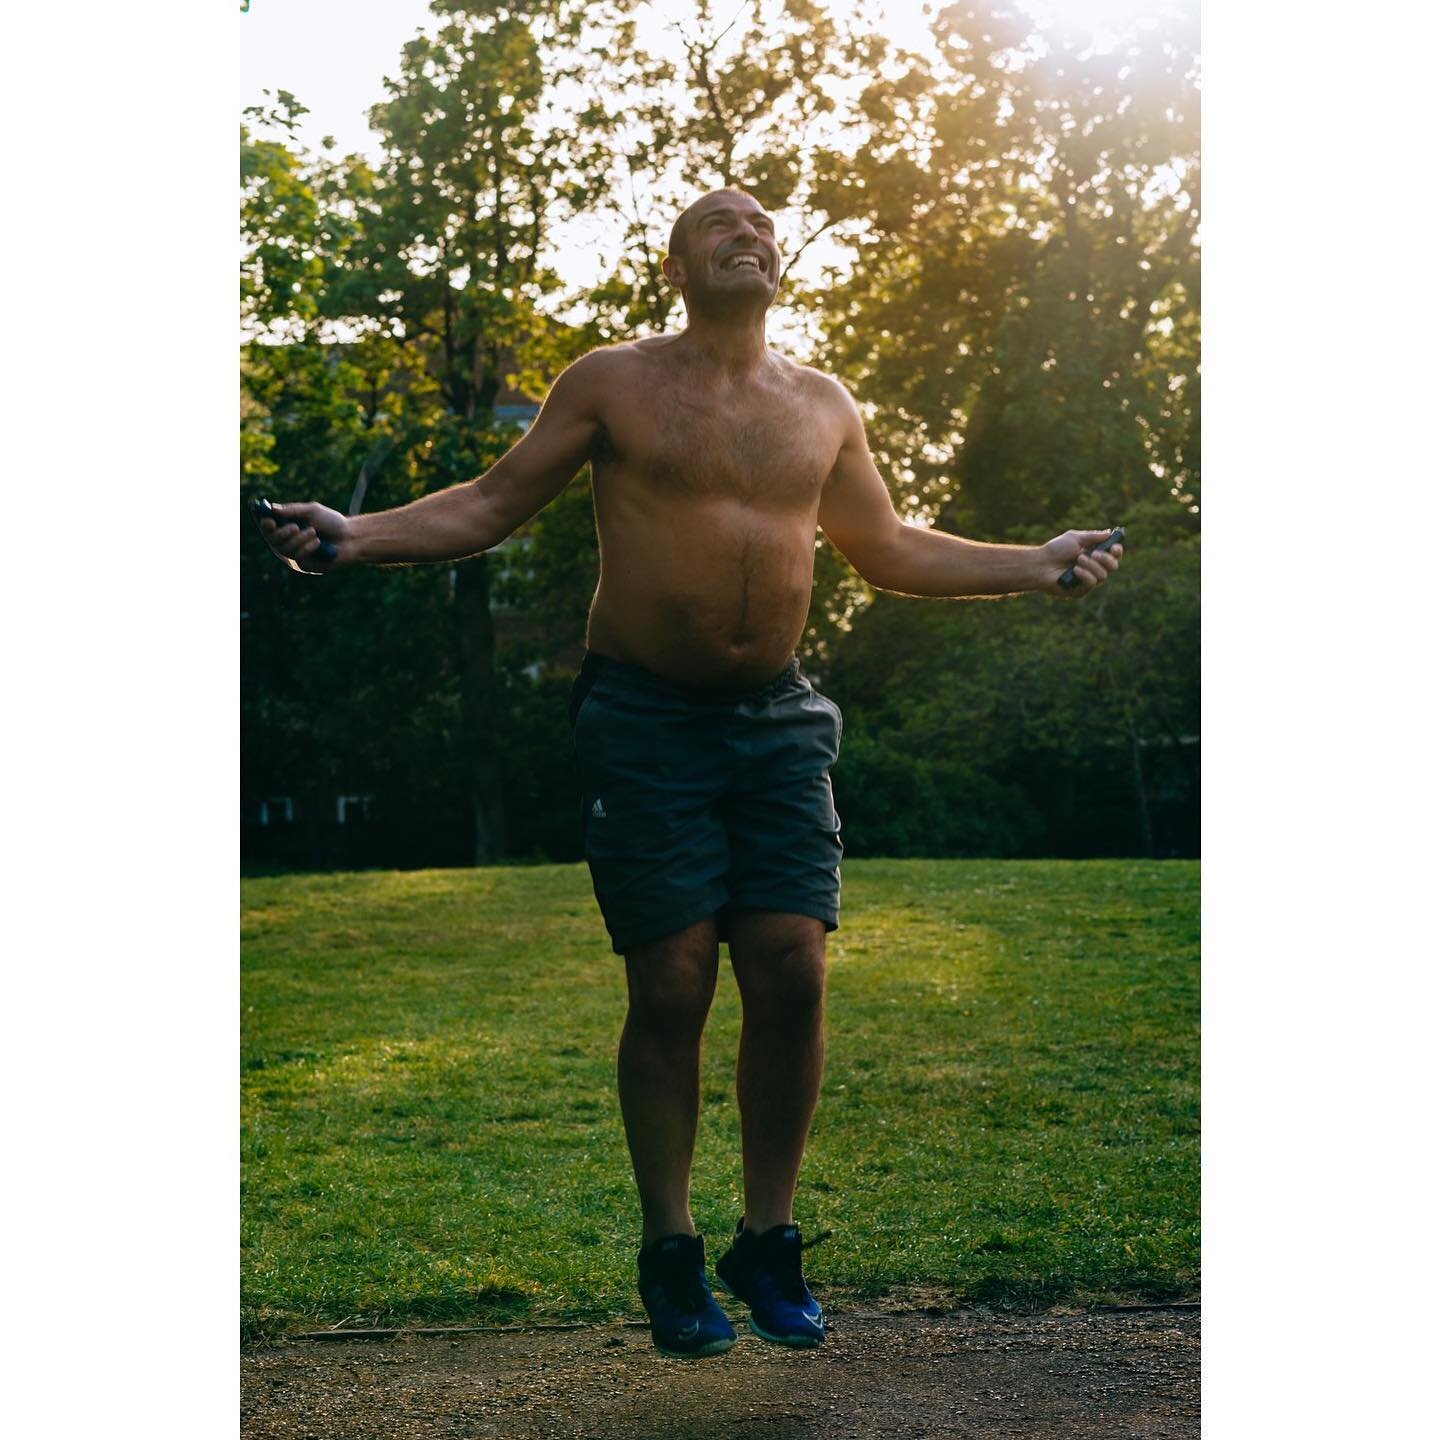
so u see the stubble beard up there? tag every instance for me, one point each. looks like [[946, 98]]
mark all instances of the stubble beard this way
[[726, 305]]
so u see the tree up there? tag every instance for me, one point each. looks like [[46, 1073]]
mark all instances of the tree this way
[[1021, 311], [1090, 711], [345, 688], [426, 276], [1021, 322]]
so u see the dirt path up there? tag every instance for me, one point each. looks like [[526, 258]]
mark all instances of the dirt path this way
[[891, 1374]]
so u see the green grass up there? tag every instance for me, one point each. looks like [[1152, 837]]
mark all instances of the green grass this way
[[430, 1125]]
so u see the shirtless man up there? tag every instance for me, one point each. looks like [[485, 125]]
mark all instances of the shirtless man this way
[[704, 753]]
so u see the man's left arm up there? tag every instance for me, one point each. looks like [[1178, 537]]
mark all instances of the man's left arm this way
[[857, 514]]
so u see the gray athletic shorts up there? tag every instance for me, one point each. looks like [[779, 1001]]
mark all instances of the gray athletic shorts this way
[[694, 805]]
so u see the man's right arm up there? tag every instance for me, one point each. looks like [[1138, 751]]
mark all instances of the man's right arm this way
[[467, 518]]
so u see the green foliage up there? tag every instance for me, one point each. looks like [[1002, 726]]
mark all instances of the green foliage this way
[[1021, 310], [551, 571], [542, 790], [897, 803], [1031, 692], [280, 221], [431, 1131], [395, 302], [1021, 323]]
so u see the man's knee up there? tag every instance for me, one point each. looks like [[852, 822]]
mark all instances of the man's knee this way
[[779, 963], [672, 981]]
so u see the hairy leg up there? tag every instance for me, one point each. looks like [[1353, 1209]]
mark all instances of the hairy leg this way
[[779, 963], [671, 984]]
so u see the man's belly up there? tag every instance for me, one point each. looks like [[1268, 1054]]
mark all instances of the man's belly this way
[[721, 607]]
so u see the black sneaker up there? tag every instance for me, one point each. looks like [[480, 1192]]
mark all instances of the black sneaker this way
[[685, 1320], [764, 1272]]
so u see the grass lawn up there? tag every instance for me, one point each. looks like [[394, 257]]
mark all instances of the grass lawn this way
[[430, 1124]]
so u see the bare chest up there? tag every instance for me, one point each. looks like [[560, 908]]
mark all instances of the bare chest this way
[[766, 449]]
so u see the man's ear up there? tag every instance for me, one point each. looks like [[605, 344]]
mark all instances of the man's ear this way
[[674, 271]]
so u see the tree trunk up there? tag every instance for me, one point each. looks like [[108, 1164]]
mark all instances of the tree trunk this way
[[1142, 805], [478, 707]]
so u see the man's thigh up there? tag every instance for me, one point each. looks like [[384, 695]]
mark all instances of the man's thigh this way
[[652, 832], [780, 820]]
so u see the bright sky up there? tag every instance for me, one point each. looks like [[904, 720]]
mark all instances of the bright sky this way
[[333, 55]]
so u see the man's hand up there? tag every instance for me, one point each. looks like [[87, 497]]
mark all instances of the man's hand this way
[[297, 530], [1068, 550]]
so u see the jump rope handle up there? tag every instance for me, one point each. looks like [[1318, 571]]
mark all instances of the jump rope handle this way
[[264, 510], [1115, 537]]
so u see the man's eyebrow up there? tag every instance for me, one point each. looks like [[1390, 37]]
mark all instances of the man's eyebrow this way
[[731, 210]]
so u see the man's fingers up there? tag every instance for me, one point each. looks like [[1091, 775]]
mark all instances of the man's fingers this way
[[293, 537], [283, 526], [301, 552], [294, 540], [1091, 567]]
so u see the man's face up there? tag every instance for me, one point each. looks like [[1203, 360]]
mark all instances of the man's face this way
[[730, 251]]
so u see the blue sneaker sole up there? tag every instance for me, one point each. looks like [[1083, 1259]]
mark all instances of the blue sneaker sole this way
[[712, 1347], [795, 1342]]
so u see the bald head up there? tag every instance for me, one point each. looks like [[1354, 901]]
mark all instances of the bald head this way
[[680, 231]]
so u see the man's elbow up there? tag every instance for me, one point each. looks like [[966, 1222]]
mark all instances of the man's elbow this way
[[486, 521], [881, 561]]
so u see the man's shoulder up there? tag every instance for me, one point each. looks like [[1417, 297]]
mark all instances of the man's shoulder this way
[[595, 362], [627, 351], [588, 380], [610, 362], [648, 344], [823, 388]]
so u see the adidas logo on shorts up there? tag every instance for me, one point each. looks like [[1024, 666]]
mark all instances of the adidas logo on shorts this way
[[598, 810]]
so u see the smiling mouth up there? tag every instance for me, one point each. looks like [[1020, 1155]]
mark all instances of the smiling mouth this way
[[744, 262]]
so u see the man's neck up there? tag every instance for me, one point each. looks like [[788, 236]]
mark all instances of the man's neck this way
[[735, 345]]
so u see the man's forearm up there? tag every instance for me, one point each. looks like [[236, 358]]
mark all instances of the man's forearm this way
[[930, 562], [448, 525]]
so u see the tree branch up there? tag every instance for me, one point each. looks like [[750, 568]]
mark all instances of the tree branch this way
[[809, 240]]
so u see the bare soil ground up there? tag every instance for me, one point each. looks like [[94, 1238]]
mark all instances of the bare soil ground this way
[[895, 1372]]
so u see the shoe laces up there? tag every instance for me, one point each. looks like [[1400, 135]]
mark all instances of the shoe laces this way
[[681, 1278], [784, 1265], [685, 1290]]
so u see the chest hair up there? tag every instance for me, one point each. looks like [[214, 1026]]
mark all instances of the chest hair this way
[[767, 450]]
